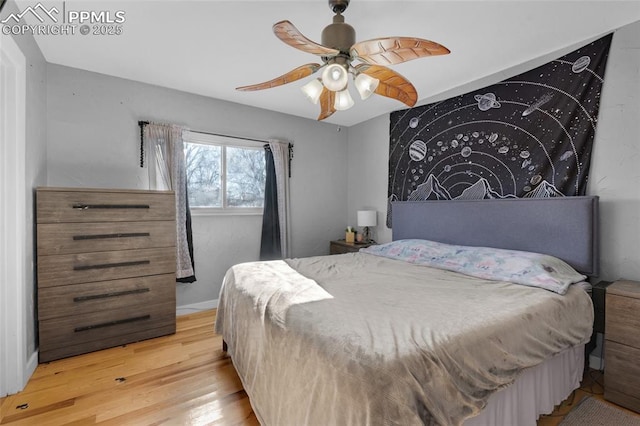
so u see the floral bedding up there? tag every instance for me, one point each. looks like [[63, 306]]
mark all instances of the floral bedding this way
[[520, 267]]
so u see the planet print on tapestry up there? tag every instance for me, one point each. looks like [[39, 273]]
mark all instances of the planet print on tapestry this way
[[581, 64], [417, 150], [487, 101]]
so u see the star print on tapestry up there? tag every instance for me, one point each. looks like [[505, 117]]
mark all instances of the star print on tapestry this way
[[527, 136]]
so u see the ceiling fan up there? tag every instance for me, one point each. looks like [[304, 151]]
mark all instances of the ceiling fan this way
[[338, 52]]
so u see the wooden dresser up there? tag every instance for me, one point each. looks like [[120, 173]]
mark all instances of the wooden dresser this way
[[106, 265], [622, 344]]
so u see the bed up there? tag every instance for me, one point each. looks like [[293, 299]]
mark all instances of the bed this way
[[373, 338]]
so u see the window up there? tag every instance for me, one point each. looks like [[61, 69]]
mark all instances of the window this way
[[224, 174]]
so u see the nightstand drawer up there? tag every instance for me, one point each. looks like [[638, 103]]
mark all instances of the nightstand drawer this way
[[623, 320], [622, 344], [622, 374], [104, 206], [341, 246], [340, 249], [68, 269], [86, 298], [66, 238]]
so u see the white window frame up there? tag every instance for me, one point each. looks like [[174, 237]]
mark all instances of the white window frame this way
[[223, 141]]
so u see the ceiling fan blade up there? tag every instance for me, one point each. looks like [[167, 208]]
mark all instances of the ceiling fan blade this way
[[289, 34], [395, 50], [392, 85], [327, 100], [293, 75]]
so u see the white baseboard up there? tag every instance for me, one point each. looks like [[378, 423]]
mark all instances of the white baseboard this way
[[196, 307], [32, 363]]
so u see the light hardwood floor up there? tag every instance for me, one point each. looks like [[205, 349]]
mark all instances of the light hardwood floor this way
[[183, 379]]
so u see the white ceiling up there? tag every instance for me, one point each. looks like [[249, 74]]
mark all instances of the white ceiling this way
[[211, 47]]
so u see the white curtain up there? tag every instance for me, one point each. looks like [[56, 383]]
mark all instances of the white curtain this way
[[167, 172], [280, 152]]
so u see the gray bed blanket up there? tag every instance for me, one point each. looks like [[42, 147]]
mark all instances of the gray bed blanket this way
[[356, 339]]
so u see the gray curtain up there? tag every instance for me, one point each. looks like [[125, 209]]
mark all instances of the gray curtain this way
[[281, 155], [270, 244], [276, 243]]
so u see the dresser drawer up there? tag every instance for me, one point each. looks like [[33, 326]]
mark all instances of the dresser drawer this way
[[622, 374], [78, 299], [104, 324], [51, 354], [68, 336], [66, 238], [622, 320], [65, 269], [103, 206]]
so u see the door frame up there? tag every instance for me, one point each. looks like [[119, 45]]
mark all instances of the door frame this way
[[13, 227]]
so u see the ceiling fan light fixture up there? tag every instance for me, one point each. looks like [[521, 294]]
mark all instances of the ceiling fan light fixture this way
[[343, 100], [366, 85], [335, 77], [312, 90], [338, 50]]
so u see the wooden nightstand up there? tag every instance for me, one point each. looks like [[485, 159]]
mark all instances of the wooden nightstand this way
[[341, 246], [622, 344]]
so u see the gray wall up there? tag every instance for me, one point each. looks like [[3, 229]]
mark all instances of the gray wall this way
[[36, 167], [615, 164], [93, 141], [614, 172]]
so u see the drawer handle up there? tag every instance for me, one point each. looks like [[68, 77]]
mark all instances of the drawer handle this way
[[111, 323], [105, 236], [110, 206], [111, 265], [107, 295]]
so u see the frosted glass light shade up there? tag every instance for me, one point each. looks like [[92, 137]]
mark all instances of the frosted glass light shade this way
[[366, 85], [367, 218], [335, 77], [343, 100], [312, 90]]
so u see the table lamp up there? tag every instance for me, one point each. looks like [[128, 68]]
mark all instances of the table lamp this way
[[367, 218]]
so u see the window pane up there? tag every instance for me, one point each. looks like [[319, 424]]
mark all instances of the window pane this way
[[203, 174], [245, 177]]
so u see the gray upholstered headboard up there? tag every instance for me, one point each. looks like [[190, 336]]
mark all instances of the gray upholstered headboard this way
[[564, 227]]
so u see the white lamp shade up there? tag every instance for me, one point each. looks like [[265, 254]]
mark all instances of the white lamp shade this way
[[366, 85], [367, 218], [343, 100], [335, 77], [312, 90]]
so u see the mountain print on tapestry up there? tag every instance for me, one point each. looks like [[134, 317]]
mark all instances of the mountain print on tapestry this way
[[527, 136]]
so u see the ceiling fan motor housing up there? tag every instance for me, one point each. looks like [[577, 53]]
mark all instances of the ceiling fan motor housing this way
[[339, 35], [338, 6]]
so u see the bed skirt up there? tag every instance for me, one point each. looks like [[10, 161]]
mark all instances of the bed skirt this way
[[536, 391]]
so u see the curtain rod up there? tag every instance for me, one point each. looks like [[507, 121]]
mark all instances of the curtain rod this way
[[229, 136], [143, 123]]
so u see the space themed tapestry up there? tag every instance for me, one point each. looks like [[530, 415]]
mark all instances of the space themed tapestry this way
[[527, 136]]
